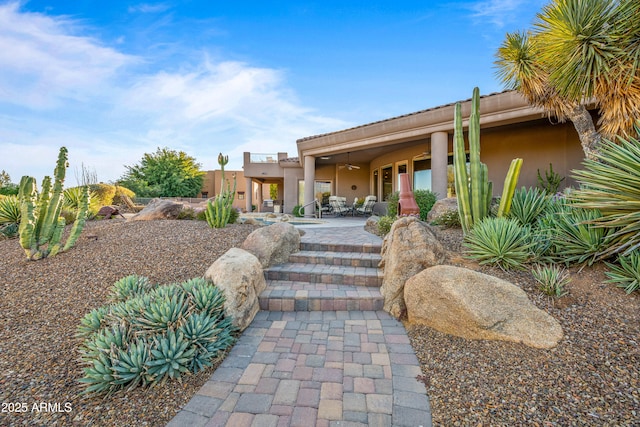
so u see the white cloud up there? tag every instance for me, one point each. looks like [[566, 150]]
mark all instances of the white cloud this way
[[59, 87], [498, 12]]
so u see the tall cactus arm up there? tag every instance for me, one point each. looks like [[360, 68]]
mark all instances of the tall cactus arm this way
[[81, 219], [26, 230], [43, 206], [510, 183], [461, 180], [54, 244], [55, 204], [478, 182]]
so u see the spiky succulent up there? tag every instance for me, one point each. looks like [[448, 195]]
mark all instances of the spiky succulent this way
[[171, 356]]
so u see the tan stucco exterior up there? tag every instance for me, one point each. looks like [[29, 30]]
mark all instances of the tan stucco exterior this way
[[213, 183], [510, 128]]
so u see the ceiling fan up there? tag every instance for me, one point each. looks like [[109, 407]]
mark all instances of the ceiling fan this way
[[349, 165]]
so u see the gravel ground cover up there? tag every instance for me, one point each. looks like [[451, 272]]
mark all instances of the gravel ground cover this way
[[43, 301], [590, 379]]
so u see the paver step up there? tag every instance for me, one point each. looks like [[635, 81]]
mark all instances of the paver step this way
[[281, 295], [322, 273], [353, 259], [369, 248]]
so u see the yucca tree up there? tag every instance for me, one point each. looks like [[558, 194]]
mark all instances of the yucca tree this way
[[578, 53]]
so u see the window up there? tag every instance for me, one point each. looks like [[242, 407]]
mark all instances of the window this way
[[422, 174], [205, 194], [240, 195], [387, 182]]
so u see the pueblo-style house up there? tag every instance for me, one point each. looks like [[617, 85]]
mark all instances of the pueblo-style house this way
[[367, 160]]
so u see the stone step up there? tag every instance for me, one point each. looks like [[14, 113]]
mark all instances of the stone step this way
[[323, 273], [283, 295], [353, 259], [368, 248]]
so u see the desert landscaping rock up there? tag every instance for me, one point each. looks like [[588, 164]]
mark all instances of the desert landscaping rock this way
[[474, 305], [441, 207], [239, 274], [158, 209], [410, 247], [273, 244]]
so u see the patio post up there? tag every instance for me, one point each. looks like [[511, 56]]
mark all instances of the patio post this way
[[439, 162], [249, 194], [309, 180]]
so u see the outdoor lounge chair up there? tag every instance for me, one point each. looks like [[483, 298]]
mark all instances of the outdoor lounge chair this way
[[367, 206], [339, 206]]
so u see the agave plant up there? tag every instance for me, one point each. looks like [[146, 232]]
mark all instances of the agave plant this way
[[205, 296], [171, 356], [99, 376], [627, 274], [92, 322], [130, 367], [129, 286], [499, 241], [611, 184], [527, 205], [162, 314], [9, 210], [552, 279]]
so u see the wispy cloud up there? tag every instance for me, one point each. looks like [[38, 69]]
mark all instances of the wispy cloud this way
[[60, 87], [149, 8], [497, 12]]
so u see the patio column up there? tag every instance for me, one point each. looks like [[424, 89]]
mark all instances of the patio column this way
[[439, 162], [309, 180], [249, 193]]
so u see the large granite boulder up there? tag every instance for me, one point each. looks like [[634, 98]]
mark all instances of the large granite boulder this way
[[442, 207], [273, 244], [410, 246], [159, 209], [474, 305], [239, 275]]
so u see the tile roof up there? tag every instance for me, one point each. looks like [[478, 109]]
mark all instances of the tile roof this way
[[397, 117]]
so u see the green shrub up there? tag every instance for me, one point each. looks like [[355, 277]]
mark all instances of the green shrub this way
[[201, 215], [392, 204], [9, 190], [103, 194], [425, 199], [551, 181], [626, 274], [527, 205], [384, 224], [499, 241], [297, 211], [148, 334], [551, 279], [9, 210], [449, 219]]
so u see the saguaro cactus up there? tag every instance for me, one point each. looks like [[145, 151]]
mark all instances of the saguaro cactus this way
[[473, 188], [218, 213], [41, 225]]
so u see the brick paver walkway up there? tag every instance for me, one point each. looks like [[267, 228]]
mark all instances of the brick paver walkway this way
[[316, 368]]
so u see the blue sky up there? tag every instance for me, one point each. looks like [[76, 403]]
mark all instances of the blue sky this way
[[114, 80]]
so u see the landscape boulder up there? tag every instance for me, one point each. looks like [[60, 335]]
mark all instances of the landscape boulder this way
[[273, 244], [158, 209], [442, 207], [371, 226], [410, 246], [239, 275], [473, 305], [106, 212]]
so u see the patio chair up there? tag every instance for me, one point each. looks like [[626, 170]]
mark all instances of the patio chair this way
[[339, 205], [367, 206]]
